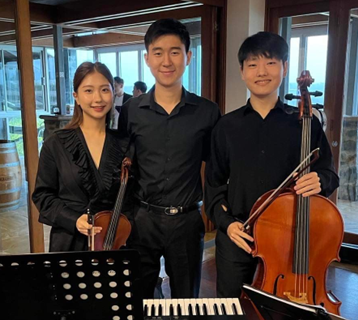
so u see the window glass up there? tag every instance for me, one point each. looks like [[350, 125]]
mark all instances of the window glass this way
[[128, 69], [2, 83], [316, 64], [51, 78], [11, 81], [293, 65], [147, 75], [109, 59]]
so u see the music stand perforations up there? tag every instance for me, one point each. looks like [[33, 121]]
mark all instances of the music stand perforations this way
[[74, 285]]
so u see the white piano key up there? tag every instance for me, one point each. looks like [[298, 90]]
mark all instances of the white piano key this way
[[236, 301], [182, 306], [224, 302], [156, 304], [149, 304], [186, 304], [210, 306], [200, 302], [193, 303], [175, 306], [217, 302], [166, 310]]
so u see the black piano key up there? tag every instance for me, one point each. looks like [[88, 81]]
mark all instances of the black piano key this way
[[223, 309], [153, 310], [216, 310], [197, 310], [179, 310], [190, 310], [205, 310], [171, 310], [160, 310], [234, 310], [145, 311]]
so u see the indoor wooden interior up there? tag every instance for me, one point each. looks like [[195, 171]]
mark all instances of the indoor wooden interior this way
[[95, 24]]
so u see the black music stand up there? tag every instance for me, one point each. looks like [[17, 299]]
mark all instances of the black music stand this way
[[96, 285], [274, 308]]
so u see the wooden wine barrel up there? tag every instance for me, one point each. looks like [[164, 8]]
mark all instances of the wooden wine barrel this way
[[10, 176]]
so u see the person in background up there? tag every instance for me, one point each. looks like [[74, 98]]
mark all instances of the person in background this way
[[169, 130], [79, 166], [120, 98], [139, 88]]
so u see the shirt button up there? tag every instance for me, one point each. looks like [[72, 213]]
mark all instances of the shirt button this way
[[167, 179], [262, 151], [168, 159]]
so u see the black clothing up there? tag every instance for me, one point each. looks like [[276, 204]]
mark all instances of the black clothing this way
[[68, 183], [126, 97], [168, 151], [179, 239], [250, 156]]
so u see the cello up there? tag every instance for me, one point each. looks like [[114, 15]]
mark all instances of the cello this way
[[116, 227], [295, 237]]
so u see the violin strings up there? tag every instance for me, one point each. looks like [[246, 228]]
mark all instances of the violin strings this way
[[108, 243], [114, 220]]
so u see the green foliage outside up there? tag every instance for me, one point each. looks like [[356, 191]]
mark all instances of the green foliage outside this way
[[18, 137]]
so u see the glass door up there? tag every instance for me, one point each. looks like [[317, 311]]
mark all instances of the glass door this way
[[348, 169]]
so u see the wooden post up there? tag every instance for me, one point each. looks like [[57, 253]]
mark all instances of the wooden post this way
[[28, 113]]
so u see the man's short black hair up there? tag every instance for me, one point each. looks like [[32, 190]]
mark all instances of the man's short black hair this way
[[164, 27], [119, 80], [267, 44], [140, 85]]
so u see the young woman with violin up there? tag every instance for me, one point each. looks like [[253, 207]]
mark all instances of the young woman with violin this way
[[253, 150], [79, 167]]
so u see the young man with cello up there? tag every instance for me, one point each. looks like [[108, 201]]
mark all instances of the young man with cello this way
[[253, 150]]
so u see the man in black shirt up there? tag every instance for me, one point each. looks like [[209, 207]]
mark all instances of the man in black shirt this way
[[170, 131], [253, 150]]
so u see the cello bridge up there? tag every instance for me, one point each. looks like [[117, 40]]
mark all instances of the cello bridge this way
[[302, 297]]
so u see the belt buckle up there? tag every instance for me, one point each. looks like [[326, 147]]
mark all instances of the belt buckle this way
[[171, 211]]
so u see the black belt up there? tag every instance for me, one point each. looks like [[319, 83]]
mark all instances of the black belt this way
[[171, 210]]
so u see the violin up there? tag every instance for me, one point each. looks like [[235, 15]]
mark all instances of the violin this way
[[116, 227], [295, 237]]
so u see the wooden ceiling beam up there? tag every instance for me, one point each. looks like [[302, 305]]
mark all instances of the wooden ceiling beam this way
[[48, 42], [39, 13], [95, 10], [39, 34], [105, 39], [149, 18], [215, 3]]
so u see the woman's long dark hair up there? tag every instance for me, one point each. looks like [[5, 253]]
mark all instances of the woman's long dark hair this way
[[82, 71]]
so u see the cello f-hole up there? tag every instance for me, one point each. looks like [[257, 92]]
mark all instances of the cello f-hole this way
[[276, 281]]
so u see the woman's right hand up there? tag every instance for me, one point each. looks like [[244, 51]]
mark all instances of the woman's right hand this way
[[83, 226]]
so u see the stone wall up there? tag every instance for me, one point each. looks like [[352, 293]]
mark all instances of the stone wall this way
[[348, 189]]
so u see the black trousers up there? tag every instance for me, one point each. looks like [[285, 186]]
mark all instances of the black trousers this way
[[234, 267], [180, 239]]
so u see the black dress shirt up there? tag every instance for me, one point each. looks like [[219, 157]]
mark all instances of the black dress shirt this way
[[169, 149], [68, 183], [251, 155]]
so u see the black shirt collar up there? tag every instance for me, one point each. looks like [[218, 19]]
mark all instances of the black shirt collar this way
[[278, 106], [187, 98]]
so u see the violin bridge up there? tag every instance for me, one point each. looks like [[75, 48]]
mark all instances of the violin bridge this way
[[302, 298]]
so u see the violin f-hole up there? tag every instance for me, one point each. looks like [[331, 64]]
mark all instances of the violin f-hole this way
[[276, 282]]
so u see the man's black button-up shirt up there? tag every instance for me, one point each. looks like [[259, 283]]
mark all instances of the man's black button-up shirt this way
[[169, 148], [251, 155]]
